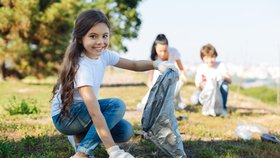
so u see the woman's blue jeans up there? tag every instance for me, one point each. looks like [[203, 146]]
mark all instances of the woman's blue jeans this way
[[223, 89], [79, 122]]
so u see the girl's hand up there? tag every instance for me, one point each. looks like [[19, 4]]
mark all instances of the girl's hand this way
[[116, 152], [163, 66], [183, 76]]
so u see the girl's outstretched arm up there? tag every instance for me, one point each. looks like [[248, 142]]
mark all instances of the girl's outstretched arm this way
[[144, 65], [96, 116], [135, 65]]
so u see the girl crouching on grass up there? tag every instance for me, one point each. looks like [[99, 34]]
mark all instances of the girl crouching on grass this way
[[76, 109]]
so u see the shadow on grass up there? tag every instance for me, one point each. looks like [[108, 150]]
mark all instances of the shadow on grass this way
[[231, 148], [193, 108], [39, 147], [103, 85], [123, 84], [41, 84], [57, 146], [207, 149], [244, 111]]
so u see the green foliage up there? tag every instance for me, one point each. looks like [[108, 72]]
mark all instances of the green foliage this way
[[34, 34], [6, 148], [124, 18], [265, 94], [28, 106]]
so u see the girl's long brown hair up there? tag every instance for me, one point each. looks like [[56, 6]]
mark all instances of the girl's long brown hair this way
[[70, 65]]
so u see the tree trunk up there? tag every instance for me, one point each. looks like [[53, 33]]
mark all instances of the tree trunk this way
[[4, 71]]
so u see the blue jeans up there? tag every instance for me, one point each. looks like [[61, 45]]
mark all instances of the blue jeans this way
[[79, 122], [224, 91]]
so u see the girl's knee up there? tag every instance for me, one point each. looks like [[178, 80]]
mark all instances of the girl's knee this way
[[128, 134], [122, 132], [118, 103], [224, 87], [225, 84]]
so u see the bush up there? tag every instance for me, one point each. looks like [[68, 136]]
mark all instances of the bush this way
[[24, 106]]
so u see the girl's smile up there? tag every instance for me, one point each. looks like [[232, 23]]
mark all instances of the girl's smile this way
[[96, 40]]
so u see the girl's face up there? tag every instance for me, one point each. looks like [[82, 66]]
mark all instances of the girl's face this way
[[96, 40], [162, 51], [209, 60]]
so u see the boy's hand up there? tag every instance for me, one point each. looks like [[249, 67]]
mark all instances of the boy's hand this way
[[202, 84]]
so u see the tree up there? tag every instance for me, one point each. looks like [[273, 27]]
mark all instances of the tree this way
[[14, 27], [34, 33]]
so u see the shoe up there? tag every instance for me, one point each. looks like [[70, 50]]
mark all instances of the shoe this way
[[179, 118], [141, 134], [194, 99], [224, 114], [140, 107], [72, 142], [269, 138]]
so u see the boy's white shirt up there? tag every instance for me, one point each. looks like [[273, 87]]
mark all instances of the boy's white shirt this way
[[91, 73], [218, 70]]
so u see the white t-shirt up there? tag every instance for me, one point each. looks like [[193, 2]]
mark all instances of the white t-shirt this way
[[209, 72], [172, 57], [90, 72]]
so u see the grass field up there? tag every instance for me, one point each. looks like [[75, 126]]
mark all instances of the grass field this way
[[34, 135]]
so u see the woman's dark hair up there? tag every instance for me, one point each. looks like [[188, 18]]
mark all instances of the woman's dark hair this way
[[160, 39], [65, 82]]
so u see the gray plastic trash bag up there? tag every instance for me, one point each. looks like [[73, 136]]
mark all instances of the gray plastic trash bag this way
[[159, 121]]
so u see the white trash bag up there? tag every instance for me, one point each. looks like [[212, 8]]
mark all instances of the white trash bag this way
[[211, 99]]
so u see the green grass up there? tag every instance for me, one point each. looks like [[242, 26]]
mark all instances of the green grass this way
[[33, 135], [265, 94]]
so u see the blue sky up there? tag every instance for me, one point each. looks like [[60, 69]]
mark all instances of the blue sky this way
[[243, 31]]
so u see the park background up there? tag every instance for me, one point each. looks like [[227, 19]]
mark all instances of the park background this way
[[34, 35]]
